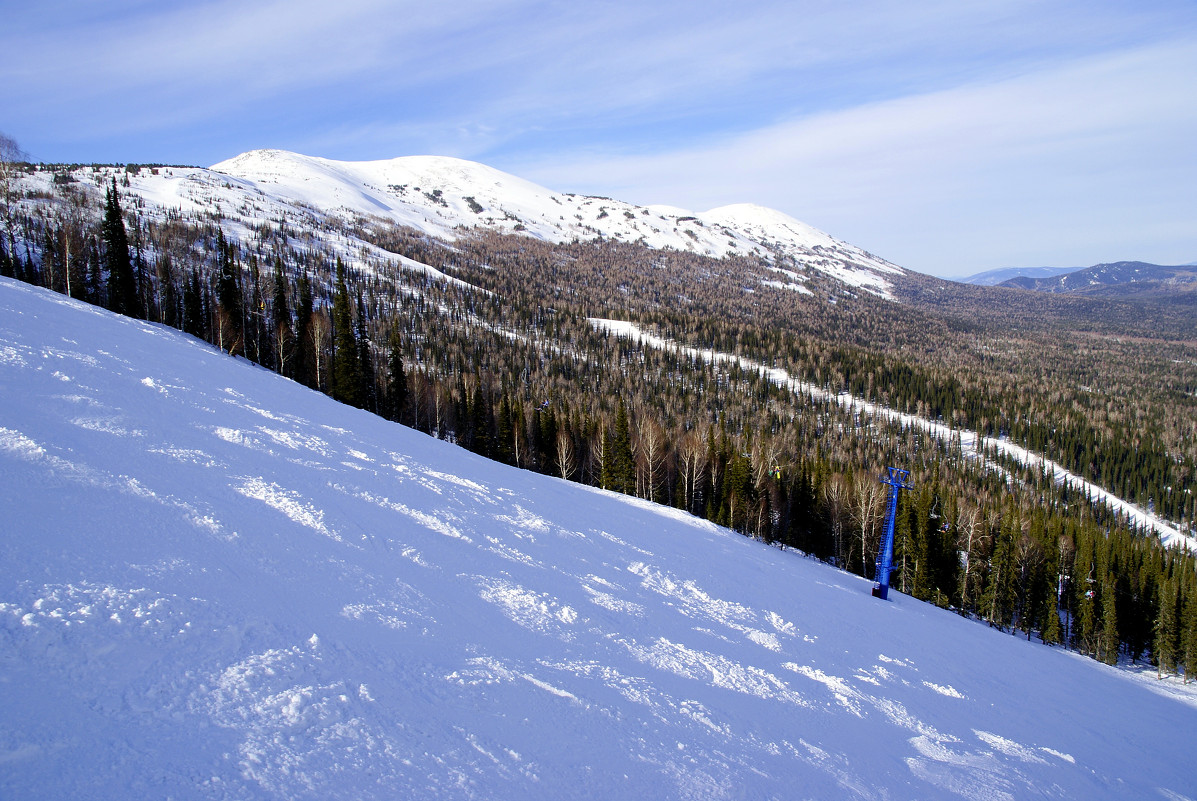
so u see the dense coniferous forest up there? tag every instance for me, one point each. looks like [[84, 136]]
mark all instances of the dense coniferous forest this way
[[503, 357]]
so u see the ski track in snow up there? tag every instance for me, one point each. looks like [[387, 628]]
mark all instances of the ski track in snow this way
[[252, 592]]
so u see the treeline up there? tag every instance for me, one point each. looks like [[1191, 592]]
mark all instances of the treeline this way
[[531, 383]]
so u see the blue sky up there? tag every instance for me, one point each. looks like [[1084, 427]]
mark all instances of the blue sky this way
[[949, 137]]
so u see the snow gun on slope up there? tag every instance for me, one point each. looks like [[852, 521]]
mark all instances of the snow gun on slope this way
[[896, 480]]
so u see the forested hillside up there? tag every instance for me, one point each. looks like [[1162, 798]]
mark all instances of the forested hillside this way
[[489, 340]]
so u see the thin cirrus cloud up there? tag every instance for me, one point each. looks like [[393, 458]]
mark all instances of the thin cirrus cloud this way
[[1083, 162], [938, 133]]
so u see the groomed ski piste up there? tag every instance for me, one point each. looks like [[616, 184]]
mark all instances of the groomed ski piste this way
[[969, 443], [215, 583]]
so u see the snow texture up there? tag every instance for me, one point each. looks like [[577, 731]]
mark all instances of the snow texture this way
[[215, 584]]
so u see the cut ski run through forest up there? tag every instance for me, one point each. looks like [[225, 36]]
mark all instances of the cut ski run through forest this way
[[217, 583]]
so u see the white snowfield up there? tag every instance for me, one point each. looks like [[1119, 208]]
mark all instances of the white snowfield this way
[[217, 584], [966, 441]]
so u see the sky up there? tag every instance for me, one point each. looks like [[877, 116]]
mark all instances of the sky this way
[[947, 136]]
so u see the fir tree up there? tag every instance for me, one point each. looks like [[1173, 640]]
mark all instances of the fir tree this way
[[396, 394], [305, 360], [622, 476], [122, 284], [230, 315], [1109, 624], [346, 375], [367, 391], [280, 323], [1167, 629]]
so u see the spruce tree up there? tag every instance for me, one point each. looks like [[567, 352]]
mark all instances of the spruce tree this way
[[280, 322], [305, 359], [230, 314], [1167, 629], [1109, 624], [122, 284], [346, 375], [367, 389], [396, 396], [623, 465]]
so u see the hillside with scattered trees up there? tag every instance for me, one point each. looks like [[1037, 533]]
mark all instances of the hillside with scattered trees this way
[[492, 344]]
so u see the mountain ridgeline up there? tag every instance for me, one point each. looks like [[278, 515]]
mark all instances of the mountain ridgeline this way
[[465, 303]]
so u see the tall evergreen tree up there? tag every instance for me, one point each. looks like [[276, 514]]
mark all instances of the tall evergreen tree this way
[[623, 465], [230, 314], [122, 284], [367, 388], [396, 395], [346, 375], [280, 322], [305, 359]]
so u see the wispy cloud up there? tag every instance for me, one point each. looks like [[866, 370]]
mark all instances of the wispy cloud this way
[[1067, 162], [888, 124]]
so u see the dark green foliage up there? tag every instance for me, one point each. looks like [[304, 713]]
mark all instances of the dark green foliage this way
[[346, 373], [230, 320], [304, 369], [396, 390], [122, 283], [281, 330]]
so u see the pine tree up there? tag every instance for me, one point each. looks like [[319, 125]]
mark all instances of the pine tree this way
[[623, 467], [367, 389], [396, 396], [280, 322], [168, 292], [193, 306], [230, 331], [1109, 624], [122, 285], [1167, 629], [346, 373], [305, 360]]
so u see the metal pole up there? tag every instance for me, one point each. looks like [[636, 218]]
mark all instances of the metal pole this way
[[885, 557]]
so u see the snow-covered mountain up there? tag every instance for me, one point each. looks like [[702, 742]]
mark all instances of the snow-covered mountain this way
[[1114, 279], [218, 584], [446, 197], [440, 195]]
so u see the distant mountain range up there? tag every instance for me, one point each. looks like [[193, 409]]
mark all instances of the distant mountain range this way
[[995, 277], [1127, 280]]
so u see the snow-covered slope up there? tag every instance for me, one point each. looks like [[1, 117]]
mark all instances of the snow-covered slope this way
[[217, 584], [441, 195]]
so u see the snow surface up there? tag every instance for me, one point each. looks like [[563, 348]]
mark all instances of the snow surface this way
[[967, 441], [215, 583]]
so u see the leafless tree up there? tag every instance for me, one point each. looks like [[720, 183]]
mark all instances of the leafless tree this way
[[566, 457], [320, 327], [866, 510], [835, 500], [693, 454], [649, 447], [11, 156]]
